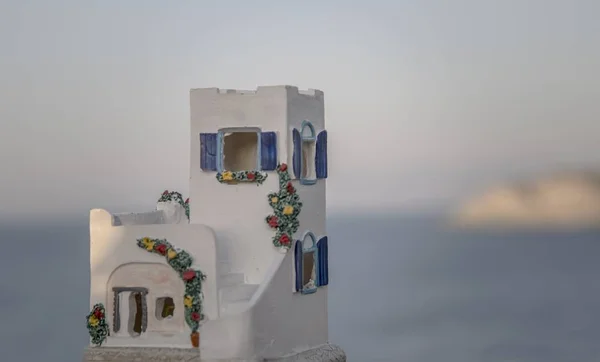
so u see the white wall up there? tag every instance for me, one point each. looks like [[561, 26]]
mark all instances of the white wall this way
[[278, 323], [288, 322], [236, 212], [113, 246]]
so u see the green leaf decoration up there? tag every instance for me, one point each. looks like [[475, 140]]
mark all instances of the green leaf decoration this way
[[181, 261], [286, 207], [176, 196], [241, 176], [96, 324]]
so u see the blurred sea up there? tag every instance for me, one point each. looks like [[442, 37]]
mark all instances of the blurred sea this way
[[401, 289]]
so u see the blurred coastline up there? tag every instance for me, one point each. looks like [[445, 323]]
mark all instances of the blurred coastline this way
[[562, 200]]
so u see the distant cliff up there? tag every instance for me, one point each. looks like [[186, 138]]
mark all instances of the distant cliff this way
[[562, 200]]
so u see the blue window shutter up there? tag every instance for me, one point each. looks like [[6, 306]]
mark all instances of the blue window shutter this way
[[323, 261], [321, 155], [298, 264], [208, 151], [268, 151], [297, 158]]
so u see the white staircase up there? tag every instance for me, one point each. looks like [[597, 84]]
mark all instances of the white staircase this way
[[234, 293]]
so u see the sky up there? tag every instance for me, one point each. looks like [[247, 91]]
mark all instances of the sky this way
[[426, 102]]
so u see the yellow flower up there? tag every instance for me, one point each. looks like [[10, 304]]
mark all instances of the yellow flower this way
[[188, 301], [93, 321], [288, 210], [227, 175], [148, 243], [274, 199], [171, 254]]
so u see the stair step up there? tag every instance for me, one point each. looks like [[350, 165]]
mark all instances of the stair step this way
[[234, 307], [231, 280], [237, 293]]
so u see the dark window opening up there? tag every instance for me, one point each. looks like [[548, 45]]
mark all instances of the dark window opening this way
[[135, 314], [308, 270], [240, 151], [165, 308]]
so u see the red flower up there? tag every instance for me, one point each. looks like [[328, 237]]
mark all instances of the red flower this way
[[187, 201], [250, 176], [166, 192], [284, 239], [162, 249], [189, 275], [283, 167], [273, 222], [98, 313], [195, 316], [290, 188]]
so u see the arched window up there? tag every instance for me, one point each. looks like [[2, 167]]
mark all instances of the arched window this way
[[307, 260], [310, 154], [311, 265]]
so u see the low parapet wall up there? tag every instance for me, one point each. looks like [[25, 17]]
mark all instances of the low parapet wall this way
[[165, 213], [141, 218]]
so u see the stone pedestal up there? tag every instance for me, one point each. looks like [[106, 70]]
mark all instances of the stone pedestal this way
[[324, 353], [138, 354]]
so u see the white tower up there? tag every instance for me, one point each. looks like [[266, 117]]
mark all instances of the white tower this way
[[240, 131]]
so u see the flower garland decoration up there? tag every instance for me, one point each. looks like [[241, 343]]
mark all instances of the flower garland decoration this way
[[181, 261], [176, 196], [286, 208], [96, 324], [241, 176]]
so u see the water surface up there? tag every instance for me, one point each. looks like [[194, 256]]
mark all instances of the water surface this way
[[401, 289]]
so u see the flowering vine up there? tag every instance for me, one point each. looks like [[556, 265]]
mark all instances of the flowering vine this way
[[286, 208], [96, 324], [181, 261], [176, 196], [241, 176]]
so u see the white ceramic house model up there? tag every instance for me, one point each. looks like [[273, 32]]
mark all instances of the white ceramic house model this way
[[256, 233]]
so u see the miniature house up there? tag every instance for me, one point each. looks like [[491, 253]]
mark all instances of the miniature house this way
[[239, 271]]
